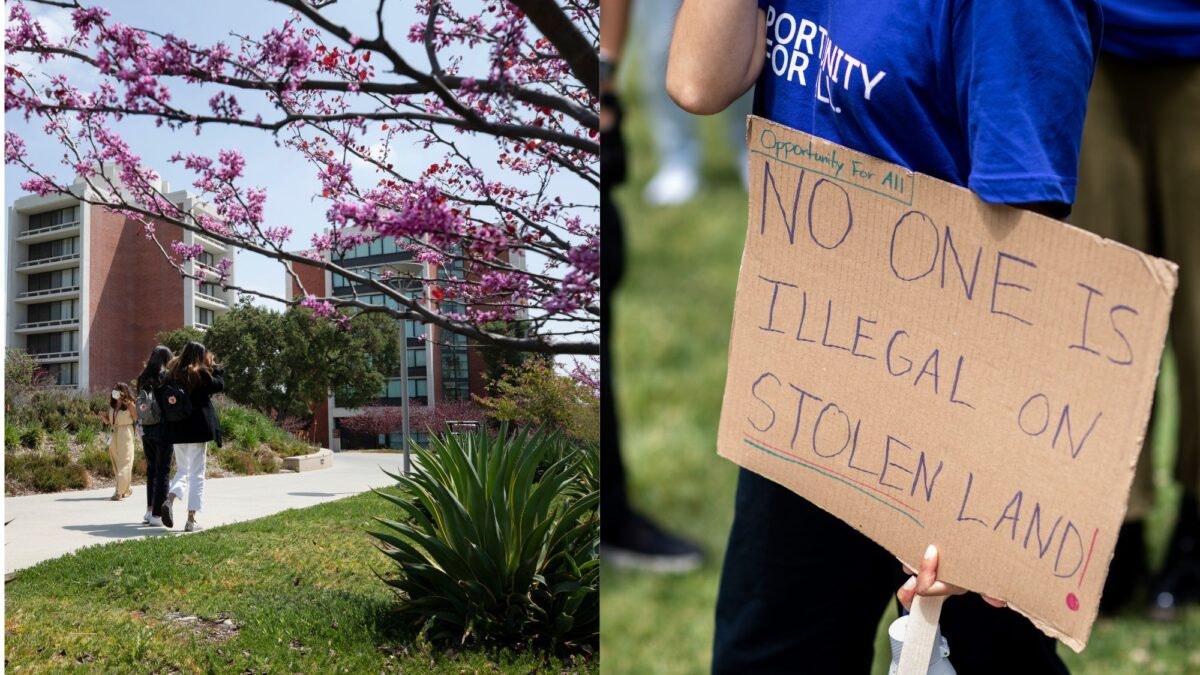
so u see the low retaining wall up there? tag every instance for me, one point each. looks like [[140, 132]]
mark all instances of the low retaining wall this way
[[317, 460]]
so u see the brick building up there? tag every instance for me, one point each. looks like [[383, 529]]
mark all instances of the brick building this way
[[88, 293], [441, 366]]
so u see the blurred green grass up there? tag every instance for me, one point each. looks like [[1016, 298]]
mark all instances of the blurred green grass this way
[[672, 319]]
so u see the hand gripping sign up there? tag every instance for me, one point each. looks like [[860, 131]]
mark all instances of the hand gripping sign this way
[[933, 369]]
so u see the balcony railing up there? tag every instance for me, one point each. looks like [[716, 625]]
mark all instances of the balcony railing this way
[[46, 261], [48, 356], [48, 324], [210, 298], [213, 243], [48, 229], [201, 267], [47, 291]]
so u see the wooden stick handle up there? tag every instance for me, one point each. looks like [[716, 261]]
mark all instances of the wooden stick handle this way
[[919, 634]]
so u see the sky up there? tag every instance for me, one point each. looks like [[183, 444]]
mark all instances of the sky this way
[[291, 183]]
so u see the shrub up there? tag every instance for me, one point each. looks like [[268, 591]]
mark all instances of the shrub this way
[[249, 430], [490, 551], [60, 440], [96, 461], [32, 437], [12, 436], [248, 462], [534, 395], [45, 471], [86, 435], [56, 478]]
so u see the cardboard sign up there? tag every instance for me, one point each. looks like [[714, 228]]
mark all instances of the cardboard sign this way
[[933, 369]]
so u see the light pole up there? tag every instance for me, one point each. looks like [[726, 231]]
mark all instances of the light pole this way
[[403, 271]]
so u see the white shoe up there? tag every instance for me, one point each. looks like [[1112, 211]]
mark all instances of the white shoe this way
[[672, 185], [192, 526], [155, 521], [146, 518]]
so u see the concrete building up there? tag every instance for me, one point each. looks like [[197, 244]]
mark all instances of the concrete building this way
[[88, 293], [441, 367]]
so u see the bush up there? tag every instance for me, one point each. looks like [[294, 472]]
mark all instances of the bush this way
[[247, 462], [45, 471], [86, 435], [60, 440], [491, 552], [534, 395], [249, 430], [12, 436], [32, 437], [96, 461]]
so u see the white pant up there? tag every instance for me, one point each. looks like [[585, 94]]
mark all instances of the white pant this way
[[189, 473]]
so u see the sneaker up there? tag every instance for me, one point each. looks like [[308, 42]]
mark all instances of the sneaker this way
[[672, 185], [146, 518], [165, 512], [155, 521], [643, 545], [192, 526]]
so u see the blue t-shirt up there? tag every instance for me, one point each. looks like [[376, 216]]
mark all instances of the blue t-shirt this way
[[1152, 29], [987, 94]]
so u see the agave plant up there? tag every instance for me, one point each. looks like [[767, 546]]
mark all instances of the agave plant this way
[[501, 540]]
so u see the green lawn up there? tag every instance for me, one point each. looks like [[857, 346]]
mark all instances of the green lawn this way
[[671, 336], [298, 590]]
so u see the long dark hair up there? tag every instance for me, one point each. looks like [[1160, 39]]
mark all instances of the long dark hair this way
[[125, 402], [156, 368], [185, 369]]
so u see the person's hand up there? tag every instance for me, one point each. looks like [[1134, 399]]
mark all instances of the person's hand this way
[[925, 583]]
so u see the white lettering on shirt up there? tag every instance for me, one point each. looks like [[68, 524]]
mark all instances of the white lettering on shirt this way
[[790, 46]]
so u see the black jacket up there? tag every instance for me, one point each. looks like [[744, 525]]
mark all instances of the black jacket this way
[[202, 425]]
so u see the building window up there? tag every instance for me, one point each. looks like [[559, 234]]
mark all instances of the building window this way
[[52, 343], [418, 388], [64, 373], [210, 289], [53, 311], [54, 249], [51, 218], [44, 281], [416, 358], [205, 316]]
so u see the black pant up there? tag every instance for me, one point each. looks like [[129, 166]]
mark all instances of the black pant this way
[[803, 592], [158, 468], [614, 502]]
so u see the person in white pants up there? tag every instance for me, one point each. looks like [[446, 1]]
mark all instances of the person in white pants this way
[[190, 460], [187, 404]]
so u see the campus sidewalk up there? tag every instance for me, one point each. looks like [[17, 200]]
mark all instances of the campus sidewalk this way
[[50, 525]]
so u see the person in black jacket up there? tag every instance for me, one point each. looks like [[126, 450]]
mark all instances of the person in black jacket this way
[[193, 372], [155, 441]]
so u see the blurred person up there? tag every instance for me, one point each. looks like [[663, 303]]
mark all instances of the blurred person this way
[[155, 440], [192, 379], [1138, 172], [950, 88], [627, 538], [675, 134], [120, 445]]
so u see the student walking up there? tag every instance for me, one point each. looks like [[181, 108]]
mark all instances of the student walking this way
[[120, 446], [156, 441], [192, 379]]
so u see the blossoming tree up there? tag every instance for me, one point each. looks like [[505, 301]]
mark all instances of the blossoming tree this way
[[509, 245]]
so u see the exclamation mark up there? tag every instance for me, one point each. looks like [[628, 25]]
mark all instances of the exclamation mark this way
[[1072, 600]]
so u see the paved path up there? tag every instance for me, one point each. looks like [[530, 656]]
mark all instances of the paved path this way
[[50, 525]]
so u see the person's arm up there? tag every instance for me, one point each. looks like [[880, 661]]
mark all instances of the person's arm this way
[[614, 26], [716, 53], [217, 380]]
